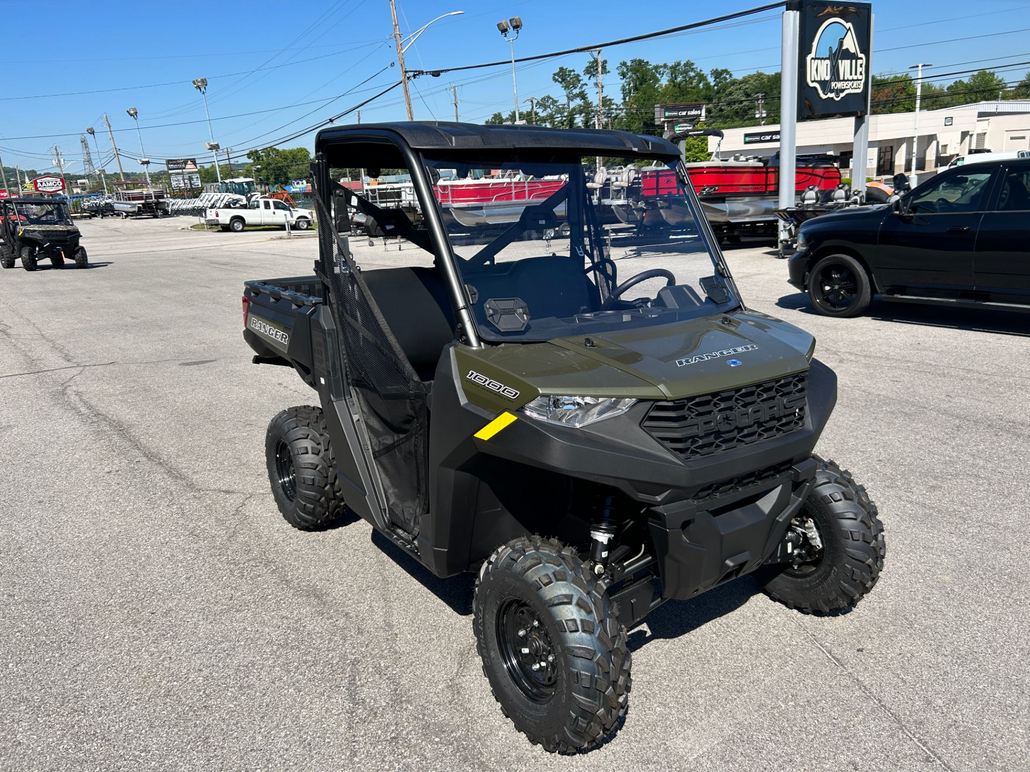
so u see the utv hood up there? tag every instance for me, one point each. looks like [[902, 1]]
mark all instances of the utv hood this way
[[701, 356], [669, 361]]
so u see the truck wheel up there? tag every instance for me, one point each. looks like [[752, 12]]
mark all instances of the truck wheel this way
[[302, 224], [305, 485], [57, 259], [81, 258], [6, 257], [839, 286], [28, 258], [552, 647], [843, 562], [236, 225]]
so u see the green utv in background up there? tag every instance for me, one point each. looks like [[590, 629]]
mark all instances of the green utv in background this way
[[568, 399], [34, 229]]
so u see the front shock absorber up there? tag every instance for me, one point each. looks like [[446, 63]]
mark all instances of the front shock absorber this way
[[602, 533]]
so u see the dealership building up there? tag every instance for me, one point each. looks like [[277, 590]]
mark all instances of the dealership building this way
[[942, 136]]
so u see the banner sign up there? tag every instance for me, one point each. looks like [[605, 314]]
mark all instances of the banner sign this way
[[3, 194], [48, 184], [184, 181], [759, 138], [690, 112], [181, 164], [835, 48]]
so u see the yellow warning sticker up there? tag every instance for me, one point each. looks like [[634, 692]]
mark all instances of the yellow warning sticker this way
[[488, 431]]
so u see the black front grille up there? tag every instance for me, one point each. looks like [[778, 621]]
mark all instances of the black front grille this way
[[711, 423], [745, 481]]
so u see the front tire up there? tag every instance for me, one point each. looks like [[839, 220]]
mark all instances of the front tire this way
[[28, 258], [302, 224], [301, 469], [839, 286], [81, 258], [6, 257], [552, 647], [849, 562]]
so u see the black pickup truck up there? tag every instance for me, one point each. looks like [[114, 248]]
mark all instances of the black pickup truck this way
[[960, 239]]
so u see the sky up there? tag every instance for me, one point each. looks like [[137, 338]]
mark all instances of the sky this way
[[273, 66]]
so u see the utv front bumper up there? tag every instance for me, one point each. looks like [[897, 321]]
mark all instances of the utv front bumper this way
[[711, 517]]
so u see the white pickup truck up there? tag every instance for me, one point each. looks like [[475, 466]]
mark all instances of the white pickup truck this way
[[260, 211]]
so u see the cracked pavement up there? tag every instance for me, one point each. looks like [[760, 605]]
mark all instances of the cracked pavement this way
[[156, 612]]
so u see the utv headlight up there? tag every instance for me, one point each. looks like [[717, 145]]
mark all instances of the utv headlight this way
[[576, 411]]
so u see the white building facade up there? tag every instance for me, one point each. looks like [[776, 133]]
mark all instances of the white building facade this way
[[942, 136]]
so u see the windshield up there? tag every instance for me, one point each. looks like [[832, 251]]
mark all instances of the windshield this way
[[551, 249], [43, 214]]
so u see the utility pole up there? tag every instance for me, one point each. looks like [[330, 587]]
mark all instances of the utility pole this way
[[760, 112], [532, 109], [359, 116], [454, 90], [3, 173], [59, 161], [228, 159], [117, 157], [400, 59], [914, 178], [599, 120]]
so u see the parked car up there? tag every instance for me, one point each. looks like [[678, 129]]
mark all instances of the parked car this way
[[260, 211], [979, 158], [959, 239]]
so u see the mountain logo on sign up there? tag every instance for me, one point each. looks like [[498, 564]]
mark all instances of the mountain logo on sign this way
[[836, 67]]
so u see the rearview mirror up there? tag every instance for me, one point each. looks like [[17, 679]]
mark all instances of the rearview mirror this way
[[898, 205]]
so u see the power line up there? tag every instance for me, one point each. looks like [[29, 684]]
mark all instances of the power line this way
[[609, 44]]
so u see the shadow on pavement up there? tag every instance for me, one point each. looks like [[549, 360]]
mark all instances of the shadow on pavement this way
[[455, 591], [680, 617], [972, 320]]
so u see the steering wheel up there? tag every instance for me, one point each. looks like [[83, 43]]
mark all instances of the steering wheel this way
[[652, 273], [943, 205]]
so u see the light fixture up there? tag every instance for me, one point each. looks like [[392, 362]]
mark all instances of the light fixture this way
[[212, 146], [200, 83], [516, 23], [502, 26], [133, 112]]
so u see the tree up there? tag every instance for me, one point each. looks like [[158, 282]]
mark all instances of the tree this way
[[983, 86], [1022, 89], [736, 100], [570, 115], [280, 166], [641, 84]]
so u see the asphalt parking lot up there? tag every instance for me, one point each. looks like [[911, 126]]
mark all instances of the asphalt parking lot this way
[[156, 612]]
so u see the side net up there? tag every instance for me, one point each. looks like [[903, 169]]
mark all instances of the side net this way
[[388, 393]]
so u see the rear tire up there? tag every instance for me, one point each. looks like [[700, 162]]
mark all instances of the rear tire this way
[[570, 631], [301, 469], [81, 258], [851, 559], [28, 258], [839, 286], [237, 225]]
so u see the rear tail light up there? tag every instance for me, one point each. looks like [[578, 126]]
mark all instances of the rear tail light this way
[[246, 310]]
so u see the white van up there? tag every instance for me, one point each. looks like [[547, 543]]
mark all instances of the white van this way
[[977, 158]]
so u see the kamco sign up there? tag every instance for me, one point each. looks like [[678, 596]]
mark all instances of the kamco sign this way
[[834, 66]]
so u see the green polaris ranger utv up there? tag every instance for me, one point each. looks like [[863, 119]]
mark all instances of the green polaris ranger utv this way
[[581, 411], [34, 229]]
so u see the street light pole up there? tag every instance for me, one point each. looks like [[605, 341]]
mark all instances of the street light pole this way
[[400, 60], [405, 44], [514, 24], [103, 178], [914, 178], [144, 161], [3, 173], [200, 84]]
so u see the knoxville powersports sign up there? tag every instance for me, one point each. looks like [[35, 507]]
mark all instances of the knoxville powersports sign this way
[[834, 75]]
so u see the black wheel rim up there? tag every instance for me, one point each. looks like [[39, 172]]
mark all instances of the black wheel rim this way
[[837, 287], [528, 655], [284, 470]]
